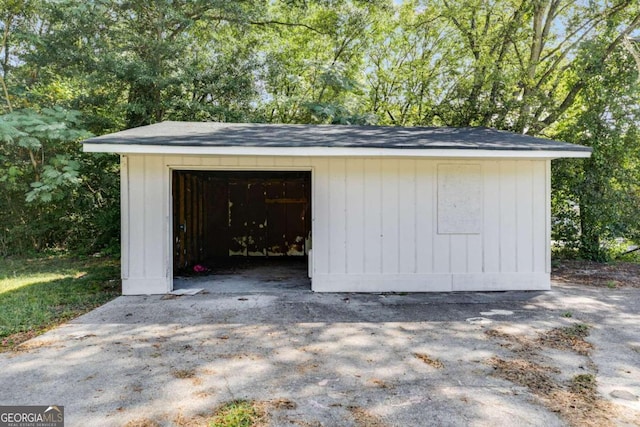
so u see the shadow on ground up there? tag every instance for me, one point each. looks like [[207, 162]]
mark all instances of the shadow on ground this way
[[341, 359]]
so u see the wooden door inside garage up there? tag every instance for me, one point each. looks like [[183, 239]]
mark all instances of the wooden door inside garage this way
[[247, 214]]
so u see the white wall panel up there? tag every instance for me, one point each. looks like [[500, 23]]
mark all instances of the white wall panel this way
[[458, 253], [475, 255], [407, 216], [441, 251], [390, 218], [524, 216], [355, 207], [508, 219], [425, 184], [153, 221], [540, 239], [375, 223], [372, 229], [320, 242], [337, 216], [491, 217], [137, 216]]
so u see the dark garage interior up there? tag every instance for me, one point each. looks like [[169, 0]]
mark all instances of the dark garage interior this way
[[224, 221]]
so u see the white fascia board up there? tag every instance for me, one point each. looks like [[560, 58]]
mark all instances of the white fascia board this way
[[328, 151]]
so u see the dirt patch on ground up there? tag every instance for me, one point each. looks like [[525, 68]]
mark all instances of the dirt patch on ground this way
[[282, 403], [515, 343], [14, 342], [364, 418], [535, 377], [568, 338], [582, 408], [435, 363], [142, 422], [230, 414], [577, 400], [611, 275]]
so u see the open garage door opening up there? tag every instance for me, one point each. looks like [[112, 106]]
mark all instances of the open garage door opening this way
[[241, 230]]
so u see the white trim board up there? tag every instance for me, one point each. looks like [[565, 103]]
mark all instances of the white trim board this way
[[330, 151], [434, 282]]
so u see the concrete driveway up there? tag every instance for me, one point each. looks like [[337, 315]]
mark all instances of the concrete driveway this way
[[337, 359]]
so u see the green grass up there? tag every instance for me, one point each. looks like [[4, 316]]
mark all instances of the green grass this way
[[579, 330], [239, 413], [37, 293]]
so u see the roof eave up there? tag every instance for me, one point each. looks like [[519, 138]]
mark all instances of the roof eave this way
[[331, 151]]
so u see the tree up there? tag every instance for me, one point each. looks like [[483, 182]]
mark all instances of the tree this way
[[151, 56], [508, 64], [604, 189], [313, 72], [554, 68], [42, 174]]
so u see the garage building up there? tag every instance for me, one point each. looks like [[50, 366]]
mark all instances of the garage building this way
[[371, 208]]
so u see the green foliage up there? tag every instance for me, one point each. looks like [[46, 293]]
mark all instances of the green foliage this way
[[313, 71], [238, 413], [561, 69], [32, 134], [584, 383], [48, 190], [174, 59], [595, 201], [578, 330]]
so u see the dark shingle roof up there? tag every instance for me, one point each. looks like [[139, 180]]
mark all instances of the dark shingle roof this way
[[209, 134]]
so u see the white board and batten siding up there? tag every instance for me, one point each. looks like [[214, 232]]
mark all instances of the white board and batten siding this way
[[378, 224]]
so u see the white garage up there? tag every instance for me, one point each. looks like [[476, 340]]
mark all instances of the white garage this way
[[372, 209]]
